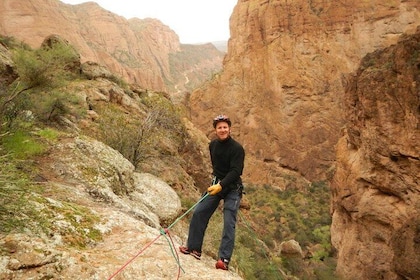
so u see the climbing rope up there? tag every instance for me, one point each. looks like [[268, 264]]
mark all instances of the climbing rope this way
[[132, 259], [174, 253], [170, 241]]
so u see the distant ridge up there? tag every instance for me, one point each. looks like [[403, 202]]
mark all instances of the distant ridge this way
[[220, 45], [141, 51]]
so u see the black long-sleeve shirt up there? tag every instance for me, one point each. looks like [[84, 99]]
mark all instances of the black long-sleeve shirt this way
[[227, 158]]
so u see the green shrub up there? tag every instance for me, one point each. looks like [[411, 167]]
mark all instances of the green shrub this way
[[11, 42], [142, 139], [39, 72], [44, 67], [13, 190], [49, 106], [48, 133], [299, 214], [323, 236], [22, 145]]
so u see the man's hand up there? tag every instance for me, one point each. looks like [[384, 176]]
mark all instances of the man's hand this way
[[215, 189]]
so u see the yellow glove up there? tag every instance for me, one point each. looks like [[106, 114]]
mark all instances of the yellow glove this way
[[215, 189]]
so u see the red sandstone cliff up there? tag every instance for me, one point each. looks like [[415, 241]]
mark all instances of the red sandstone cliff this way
[[141, 51], [284, 85], [282, 81], [376, 189]]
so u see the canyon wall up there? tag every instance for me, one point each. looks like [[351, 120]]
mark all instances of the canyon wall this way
[[142, 51], [376, 188], [302, 101], [320, 89], [284, 78]]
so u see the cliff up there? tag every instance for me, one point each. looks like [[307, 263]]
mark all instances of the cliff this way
[[376, 189], [103, 220], [282, 79], [141, 51], [72, 206], [285, 84]]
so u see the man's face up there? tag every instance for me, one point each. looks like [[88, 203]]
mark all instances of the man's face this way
[[222, 130]]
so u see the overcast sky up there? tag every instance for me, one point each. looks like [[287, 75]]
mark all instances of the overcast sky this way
[[194, 21]]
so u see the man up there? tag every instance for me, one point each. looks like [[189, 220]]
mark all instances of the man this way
[[227, 158]]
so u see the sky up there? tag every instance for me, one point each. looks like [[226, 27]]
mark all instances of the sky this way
[[194, 21]]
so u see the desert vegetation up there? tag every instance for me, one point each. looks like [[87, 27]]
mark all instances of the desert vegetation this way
[[38, 105]]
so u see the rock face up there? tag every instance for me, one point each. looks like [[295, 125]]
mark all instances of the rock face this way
[[376, 188], [282, 82], [7, 72], [141, 51], [285, 86], [129, 209]]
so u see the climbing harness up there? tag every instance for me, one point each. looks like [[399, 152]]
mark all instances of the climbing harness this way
[[164, 232]]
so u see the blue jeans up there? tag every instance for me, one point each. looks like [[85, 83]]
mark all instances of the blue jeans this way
[[202, 214]]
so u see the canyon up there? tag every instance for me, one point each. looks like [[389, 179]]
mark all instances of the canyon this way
[[323, 90]]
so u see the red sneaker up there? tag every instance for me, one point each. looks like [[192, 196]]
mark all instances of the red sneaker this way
[[196, 254], [184, 250], [222, 264]]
